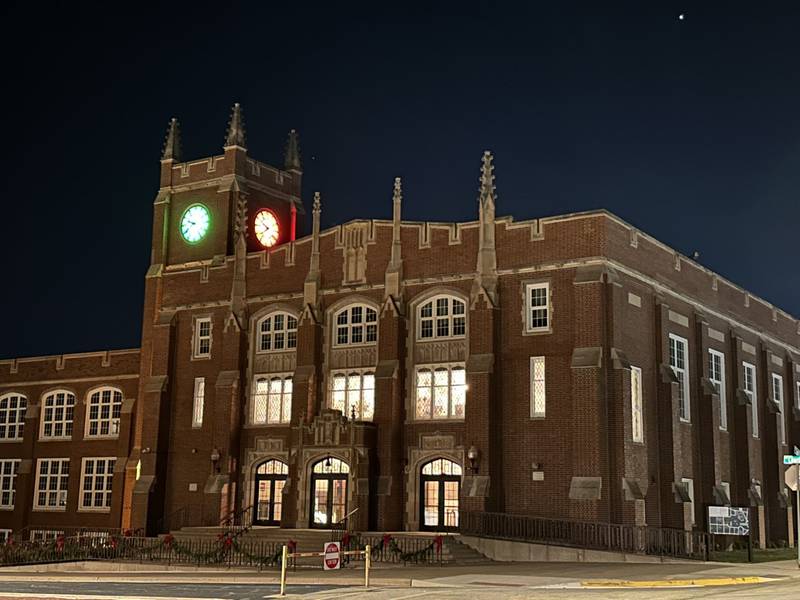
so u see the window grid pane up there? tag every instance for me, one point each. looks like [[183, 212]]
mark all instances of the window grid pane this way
[[58, 413], [8, 482], [105, 408], [52, 481], [97, 483], [538, 387], [440, 392], [637, 424], [12, 416]]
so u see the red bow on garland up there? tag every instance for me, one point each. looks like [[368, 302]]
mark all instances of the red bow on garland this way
[[346, 539], [291, 546], [168, 539], [386, 539], [60, 543], [114, 542], [438, 540], [10, 541], [127, 533]]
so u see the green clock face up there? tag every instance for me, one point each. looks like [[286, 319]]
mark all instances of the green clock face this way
[[195, 223]]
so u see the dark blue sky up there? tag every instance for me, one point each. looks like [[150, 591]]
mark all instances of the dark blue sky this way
[[688, 129]]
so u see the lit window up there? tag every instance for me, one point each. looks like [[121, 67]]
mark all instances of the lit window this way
[[680, 366], [637, 421], [356, 324], [202, 337], [441, 466], [104, 410], [198, 402], [8, 482], [272, 399], [538, 387], [12, 416], [537, 302], [273, 467], [716, 374], [441, 392], [353, 391], [331, 465], [96, 483], [59, 407], [277, 332], [442, 317], [750, 389], [777, 397], [52, 483]]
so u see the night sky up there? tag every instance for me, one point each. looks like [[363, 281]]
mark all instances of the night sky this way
[[689, 129]]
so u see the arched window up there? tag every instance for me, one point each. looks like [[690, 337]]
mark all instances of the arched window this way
[[273, 467], [272, 399], [103, 413], [356, 324], [441, 466], [441, 317], [331, 465], [441, 391], [353, 391], [12, 416], [277, 332], [58, 409]]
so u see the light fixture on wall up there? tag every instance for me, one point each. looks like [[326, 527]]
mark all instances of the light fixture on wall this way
[[473, 454]]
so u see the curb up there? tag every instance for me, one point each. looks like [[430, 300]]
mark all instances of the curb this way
[[667, 583]]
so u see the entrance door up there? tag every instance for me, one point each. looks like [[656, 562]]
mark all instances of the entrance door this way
[[268, 504], [440, 482], [328, 492]]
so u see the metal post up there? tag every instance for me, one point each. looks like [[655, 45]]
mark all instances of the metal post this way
[[283, 570], [367, 561]]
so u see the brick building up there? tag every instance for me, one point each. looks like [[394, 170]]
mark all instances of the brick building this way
[[569, 367]]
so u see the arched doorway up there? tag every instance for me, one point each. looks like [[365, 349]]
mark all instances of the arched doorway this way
[[328, 492], [268, 503], [439, 484]]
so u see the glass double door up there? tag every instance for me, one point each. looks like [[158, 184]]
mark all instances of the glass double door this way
[[439, 503], [328, 500], [269, 499]]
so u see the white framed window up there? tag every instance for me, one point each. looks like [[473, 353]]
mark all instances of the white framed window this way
[[538, 387], [97, 475], [441, 391], [8, 482], [52, 484], [202, 337], [4, 535], [690, 489], [353, 390], [103, 413], [198, 401], [355, 324], [272, 399], [637, 420], [12, 416], [749, 381], [277, 332], [442, 317], [777, 398], [679, 361], [716, 374], [537, 304], [58, 409], [44, 535]]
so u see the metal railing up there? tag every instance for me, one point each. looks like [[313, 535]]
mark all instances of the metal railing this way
[[238, 522], [339, 528], [629, 539]]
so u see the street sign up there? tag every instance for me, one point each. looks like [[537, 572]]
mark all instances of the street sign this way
[[791, 459], [728, 520], [331, 558], [791, 478]]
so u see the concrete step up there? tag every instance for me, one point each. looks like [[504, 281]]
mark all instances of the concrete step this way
[[454, 551]]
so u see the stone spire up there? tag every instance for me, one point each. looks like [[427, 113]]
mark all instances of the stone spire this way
[[311, 287], [486, 269], [292, 156], [235, 135], [172, 145], [397, 200]]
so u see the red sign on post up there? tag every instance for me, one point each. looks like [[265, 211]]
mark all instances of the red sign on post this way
[[331, 556]]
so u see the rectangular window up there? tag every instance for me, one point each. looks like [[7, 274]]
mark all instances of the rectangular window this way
[[353, 392], [690, 488], [749, 379], [199, 401], [679, 361], [272, 399], [202, 337], [777, 398], [97, 477], [716, 374], [8, 482], [538, 387], [12, 416], [637, 422], [441, 391], [52, 483], [537, 302]]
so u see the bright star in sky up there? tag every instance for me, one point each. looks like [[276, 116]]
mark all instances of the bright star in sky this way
[[681, 17]]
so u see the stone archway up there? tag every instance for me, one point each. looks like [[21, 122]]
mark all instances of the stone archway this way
[[431, 447]]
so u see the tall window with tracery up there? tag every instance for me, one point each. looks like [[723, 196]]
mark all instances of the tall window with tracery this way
[[441, 391], [272, 399], [276, 332], [57, 414], [104, 411], [442, 317], [12, 416], [356, 324], [353, 392]]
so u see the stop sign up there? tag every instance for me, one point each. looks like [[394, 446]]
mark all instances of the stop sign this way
[[331, 556]]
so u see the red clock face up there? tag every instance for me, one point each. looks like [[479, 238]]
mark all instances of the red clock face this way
[[266, 228]]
